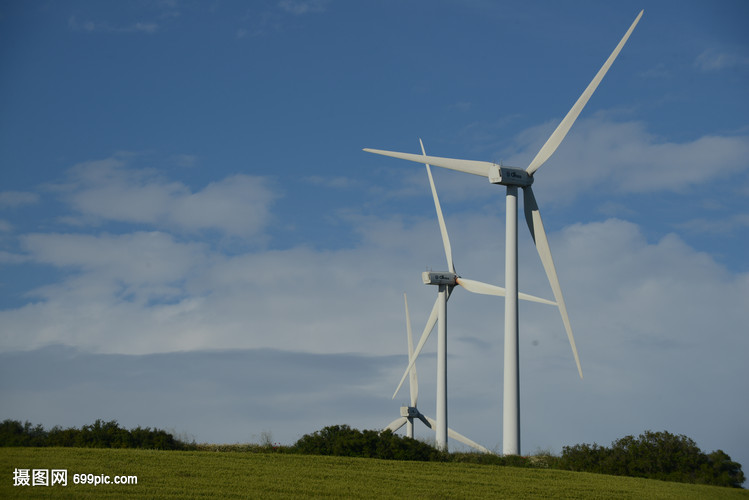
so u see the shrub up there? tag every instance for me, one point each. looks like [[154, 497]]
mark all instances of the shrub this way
[[655, 455], [342, 440]]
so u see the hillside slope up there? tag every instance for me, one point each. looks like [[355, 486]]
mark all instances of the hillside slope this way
[[178, 474]]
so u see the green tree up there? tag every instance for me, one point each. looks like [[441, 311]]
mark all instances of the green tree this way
[[720, 470], [62, 437], [655, 455], [342, 440], [585, 457]]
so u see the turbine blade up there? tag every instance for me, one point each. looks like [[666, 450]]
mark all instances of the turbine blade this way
[[487, 289], [413, 381], [469, 166], [427, 421], [440, 218], [396, 424], [424, 336], [460, 437], [538, 233], [561, 131]]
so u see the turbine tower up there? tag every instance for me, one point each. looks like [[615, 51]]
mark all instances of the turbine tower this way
[[514, 178], [409, 413], [446, 281]]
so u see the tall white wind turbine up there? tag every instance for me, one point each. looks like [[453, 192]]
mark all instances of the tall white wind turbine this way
[[446, 281], [514, 178], [409, 413]]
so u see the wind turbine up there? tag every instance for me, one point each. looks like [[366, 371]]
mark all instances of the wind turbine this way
[[446, 281], [514, 178], [409, 413]]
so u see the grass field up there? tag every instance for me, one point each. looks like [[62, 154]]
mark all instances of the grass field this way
[[204, 474]]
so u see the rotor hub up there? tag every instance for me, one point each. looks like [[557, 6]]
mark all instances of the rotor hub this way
[[439, 278], [509, 176]]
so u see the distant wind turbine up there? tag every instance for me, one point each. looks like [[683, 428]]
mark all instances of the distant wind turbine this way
[[513, 178], [409, 413]]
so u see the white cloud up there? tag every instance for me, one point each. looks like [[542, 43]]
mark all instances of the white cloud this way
[[237, 205], [108, 190], [650, 319], [259, 20], [658, 71], [12, 258], [655, 292], [332, 182], [624, 157], [145, 27], [729, 224], [613, 209], [105, 27], [185, 160], [147, 292], [299, 7], [132, 259], [14, 199], [715, 60]]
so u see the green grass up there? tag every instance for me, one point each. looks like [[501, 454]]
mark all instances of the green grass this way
[[205, 474]]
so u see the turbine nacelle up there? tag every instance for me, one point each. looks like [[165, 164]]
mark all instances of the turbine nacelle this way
[[509, 176], [439, 278], [410, 412]]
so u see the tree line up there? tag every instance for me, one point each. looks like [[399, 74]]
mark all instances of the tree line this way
[[100, 434], [652, 455]]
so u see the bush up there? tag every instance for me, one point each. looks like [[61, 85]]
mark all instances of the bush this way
[[342, 440], [655, 455], [585, 457]]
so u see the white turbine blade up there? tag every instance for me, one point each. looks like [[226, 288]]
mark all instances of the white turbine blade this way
[[413, 381], [561, 131], [533, 218], [469, 166], [440, 218], [396, 424], [487, 289], [460, 437], [424, 336]]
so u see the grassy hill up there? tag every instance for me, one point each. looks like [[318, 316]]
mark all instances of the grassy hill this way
[[205, 474]]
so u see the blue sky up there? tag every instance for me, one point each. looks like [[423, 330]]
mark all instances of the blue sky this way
[[191, 237]]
